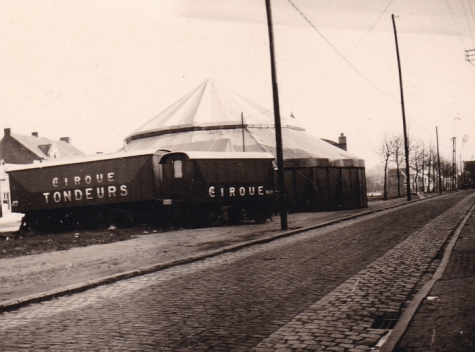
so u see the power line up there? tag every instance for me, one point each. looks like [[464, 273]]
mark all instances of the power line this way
[[453, 19], [468, 21], [343, 57], [471, 10], [348, 54], [340, 54]]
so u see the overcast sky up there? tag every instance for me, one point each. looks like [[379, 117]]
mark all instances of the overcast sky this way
[[97, 70]]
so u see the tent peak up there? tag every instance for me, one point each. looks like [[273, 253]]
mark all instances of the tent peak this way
[[210, 103]]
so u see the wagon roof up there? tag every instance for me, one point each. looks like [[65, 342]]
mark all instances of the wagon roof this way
[[83, 159]]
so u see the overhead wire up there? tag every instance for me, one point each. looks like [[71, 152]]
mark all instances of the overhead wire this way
[[343, 57], [348, 54], [471, 10], [468, 20], [453, 19]]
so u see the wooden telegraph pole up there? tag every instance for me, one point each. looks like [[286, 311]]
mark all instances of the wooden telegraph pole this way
[[242, 129], [454, 164], [282, 198], [406, 143], [438, 160]]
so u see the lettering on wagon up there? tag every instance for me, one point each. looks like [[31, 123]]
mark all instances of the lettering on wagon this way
[[89, 193], [87, 180], [236, 191]]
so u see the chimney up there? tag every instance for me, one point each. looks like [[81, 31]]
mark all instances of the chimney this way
[[34, 134], [342, 141], [65, 139], [7, 131]]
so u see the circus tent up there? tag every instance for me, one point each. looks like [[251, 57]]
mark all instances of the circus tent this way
[[319, 175]]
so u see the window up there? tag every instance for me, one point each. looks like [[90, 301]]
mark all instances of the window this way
[[6, 199], [178, 168]]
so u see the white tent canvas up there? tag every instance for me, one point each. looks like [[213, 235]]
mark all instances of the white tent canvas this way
[[214, 118]]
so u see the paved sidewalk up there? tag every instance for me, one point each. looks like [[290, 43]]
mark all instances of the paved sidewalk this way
[[445, 321]]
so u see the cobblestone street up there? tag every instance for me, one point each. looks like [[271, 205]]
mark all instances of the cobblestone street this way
[[319, 290]]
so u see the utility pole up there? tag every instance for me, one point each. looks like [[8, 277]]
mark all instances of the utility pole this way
[[406, 143], [438, 160], [282, 197], [242, 127], [454, 164], [428, 171], [423, 176]]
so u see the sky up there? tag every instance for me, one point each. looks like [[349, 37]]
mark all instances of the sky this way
[[97, 70]]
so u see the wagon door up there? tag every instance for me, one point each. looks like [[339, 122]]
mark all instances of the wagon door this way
[[176, 177]]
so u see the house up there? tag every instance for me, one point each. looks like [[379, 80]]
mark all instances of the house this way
[[24, 149], [341, 142], [21, 149], [423, 183]]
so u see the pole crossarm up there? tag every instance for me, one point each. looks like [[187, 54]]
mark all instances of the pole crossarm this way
[[470, 56]]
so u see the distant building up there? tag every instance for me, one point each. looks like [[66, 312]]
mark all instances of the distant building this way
[[341, 142], [468, 175], [423, 183], [5, 203], [24, 149], [21, 149]]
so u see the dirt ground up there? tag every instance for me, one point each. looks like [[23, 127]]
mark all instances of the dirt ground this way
[[119, 251], [19, 244]]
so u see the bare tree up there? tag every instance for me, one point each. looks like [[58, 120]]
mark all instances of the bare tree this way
[[397, 151], [386, 152], [435, 170], [424, 156], [416, 160], [433, 173], [429, 162], [446, 171]]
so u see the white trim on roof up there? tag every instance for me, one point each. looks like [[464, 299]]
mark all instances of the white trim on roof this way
[[120, 155], [81, 159]]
